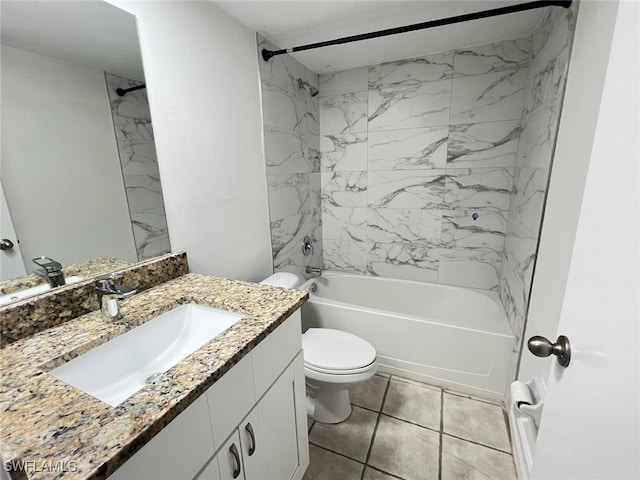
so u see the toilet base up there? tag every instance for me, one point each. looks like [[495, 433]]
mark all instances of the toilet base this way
[[328, 406]]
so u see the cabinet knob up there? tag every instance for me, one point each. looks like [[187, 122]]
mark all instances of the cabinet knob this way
[[236, 456], [252, 448]]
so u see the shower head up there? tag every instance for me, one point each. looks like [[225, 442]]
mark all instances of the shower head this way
[[312, 90]]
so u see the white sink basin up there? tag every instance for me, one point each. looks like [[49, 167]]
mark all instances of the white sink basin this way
[[30, 292], [119, 368]]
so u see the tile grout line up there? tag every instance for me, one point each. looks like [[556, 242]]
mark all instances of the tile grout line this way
[[496, 403], [385, 473], [441, 435], [495, 449], [409, 422], [337, 453], [375, 429]]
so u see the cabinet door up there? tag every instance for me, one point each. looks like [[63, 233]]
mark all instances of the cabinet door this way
[[230, 459], [269, 434], [274, 353], [230, 399], [301, 416], [211, 471], [177, 452]]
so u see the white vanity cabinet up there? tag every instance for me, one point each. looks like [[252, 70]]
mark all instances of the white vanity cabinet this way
[[177, 452], [251, 424], [267, 444]]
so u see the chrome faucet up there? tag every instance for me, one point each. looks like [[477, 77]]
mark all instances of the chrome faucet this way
[[109, 289], [313, 270], [50, 270]]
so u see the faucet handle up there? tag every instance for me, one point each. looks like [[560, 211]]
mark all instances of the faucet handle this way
[[108, 280], [111, 284], [49, 264]]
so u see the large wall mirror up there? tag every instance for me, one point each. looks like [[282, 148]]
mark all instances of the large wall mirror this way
[[78, 170]]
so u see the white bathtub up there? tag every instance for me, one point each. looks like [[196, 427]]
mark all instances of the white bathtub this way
[[448, 336]]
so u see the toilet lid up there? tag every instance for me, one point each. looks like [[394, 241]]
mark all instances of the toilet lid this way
[[336, 350]]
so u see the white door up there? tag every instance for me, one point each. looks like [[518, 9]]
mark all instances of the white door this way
[[11, 263], [591, 422]]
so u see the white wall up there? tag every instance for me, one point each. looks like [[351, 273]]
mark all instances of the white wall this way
[[587, 69], [60, 166], [201, 69]]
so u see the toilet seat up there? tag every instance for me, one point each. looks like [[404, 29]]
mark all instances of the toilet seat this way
[[339, 372], [336, 352]]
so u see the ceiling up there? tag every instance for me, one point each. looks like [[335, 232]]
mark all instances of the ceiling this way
[[298, 22], [87, 32]]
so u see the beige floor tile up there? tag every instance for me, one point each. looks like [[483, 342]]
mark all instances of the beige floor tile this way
[[371, 474], [415, 382], [405, 450], [413, 403], [369, 394], [472, 397], [477, 421], [351, 437], [324, 465], [468, 461]]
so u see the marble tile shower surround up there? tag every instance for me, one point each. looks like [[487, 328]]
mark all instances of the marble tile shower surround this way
[[417, 164], [292, 156], [548, 66], [136, 147]]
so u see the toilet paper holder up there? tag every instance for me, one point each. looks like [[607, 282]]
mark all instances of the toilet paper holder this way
[[528, 397]]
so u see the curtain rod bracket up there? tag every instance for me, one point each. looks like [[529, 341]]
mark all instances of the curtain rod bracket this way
[[268, 54]]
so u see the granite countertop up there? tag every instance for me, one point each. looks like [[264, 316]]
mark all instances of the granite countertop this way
[[89, 269], [43, 419]]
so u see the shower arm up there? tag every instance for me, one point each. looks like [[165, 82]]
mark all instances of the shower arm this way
[[267, 54], [123, 91]]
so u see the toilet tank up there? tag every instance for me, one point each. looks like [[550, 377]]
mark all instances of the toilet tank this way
[[282, 279]]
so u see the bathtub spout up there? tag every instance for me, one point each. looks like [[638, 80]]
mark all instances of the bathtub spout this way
[[317, 271]]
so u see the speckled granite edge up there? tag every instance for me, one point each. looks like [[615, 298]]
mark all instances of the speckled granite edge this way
[[89, 269], [32, 315], [45, 419]]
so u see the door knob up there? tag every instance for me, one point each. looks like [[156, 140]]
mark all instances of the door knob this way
[[541, 347], [6, 244]]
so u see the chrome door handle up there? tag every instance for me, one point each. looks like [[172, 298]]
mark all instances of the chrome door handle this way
[[6, 244], [236, 456], [542, 347], [252, 448]]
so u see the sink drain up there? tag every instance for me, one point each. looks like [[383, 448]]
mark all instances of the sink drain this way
[[151, 379]]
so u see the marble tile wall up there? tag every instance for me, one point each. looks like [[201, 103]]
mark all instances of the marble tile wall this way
[[417, 162], [134, 136], [292, 146], [548, 65]]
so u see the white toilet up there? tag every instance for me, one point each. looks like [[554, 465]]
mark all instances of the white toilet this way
[[334, 361]]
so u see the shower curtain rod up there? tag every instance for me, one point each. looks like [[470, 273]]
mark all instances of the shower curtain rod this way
[[267, 54], [122, 92]]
